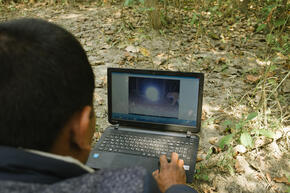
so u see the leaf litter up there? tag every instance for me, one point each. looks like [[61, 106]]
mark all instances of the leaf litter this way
[[233, 69]]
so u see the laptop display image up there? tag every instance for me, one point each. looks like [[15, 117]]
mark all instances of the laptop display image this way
[[152, 113]]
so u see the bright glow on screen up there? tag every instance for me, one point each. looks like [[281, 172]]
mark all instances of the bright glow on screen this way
[[152, 94]]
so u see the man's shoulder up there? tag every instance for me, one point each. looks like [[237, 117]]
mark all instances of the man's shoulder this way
[[106, 181], [117, 180]]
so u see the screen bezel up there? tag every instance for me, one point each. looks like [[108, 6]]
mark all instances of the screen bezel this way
[[156, 126]]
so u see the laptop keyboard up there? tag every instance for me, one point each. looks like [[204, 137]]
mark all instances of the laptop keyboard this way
[[148, 145]]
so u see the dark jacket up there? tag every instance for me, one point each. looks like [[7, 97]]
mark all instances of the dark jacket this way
[[26, 172]]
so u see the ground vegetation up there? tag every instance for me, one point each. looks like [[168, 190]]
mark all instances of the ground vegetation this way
[[242, 46]]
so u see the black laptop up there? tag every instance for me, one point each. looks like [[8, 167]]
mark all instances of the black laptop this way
[[151, 113]]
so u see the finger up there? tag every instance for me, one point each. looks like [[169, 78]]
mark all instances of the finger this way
[[163, 161], [174, 158], [180, 163], [155, 173]]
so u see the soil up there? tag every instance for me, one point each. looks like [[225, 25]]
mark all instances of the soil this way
[[231, 58]]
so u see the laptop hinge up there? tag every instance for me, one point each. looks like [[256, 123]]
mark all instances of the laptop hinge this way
[[188, 134], [116, 126]]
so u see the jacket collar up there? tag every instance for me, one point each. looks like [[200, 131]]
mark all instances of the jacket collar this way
[[63, 158], [26, 166]]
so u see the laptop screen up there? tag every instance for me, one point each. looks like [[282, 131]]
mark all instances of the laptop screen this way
[[151, 98]]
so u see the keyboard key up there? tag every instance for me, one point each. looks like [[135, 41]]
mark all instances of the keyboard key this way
[[148, 145]]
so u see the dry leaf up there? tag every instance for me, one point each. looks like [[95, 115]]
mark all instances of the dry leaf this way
[[203, 115], [144, 52], [259, 176], [97, 135], [270, 74], [240, 149], [217, 121], [252, 78], [209, 190], [282, 180], [213, 140], [118, 15], [268, 177], [221, 60], [132, 49], [109, 32], [238, 167], [128, 56], [104, 80], [215, 149], [200, 156], [98, 99]]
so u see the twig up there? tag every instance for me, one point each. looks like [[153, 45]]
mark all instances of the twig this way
[[255, 89], [264, 100], [278, 85], [168, 50], [282, 29], [279, 106]]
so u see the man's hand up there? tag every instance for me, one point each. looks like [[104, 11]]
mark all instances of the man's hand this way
[[170, 173]]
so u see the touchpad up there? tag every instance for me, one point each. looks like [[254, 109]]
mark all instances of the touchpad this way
[[123, 160], [101, 160]]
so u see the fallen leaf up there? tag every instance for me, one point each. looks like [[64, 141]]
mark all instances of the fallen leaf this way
[[259, 176], [238, 167], [128, 56], [144, 52], [252, 78], [286, 86], [210, 190], [268, 177], [104, 79], [200, 156], [221, 60], [98, 99], [214, 35], [110, 32], [199, 159], [242, 166], [160, 59], [97, 135], [215, 149], [217, 121], [240, 149], [118, 15], [203, 115], [282, 180], [132, 49], [270, 74], [213, 140]]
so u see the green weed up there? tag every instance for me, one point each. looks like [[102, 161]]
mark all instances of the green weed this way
[[240, 132]]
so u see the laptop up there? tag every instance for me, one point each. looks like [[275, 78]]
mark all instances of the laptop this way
[[151, 113]]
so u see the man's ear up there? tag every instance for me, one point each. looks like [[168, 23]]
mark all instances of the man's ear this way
[[81, 129]]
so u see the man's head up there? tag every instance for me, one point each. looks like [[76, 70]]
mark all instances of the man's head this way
[[46, 88]]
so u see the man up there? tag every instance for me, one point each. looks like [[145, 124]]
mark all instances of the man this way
[[47, 119]]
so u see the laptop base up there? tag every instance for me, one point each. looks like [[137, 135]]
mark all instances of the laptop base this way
[[112, 160]]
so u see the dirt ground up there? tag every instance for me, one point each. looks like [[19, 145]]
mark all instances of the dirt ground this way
[[233, 67]]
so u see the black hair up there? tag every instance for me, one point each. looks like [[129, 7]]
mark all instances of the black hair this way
[[45, 77]]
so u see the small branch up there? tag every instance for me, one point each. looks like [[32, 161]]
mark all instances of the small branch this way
[[278, 85], [279, 106]]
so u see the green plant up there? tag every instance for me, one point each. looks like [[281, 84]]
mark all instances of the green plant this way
[[241, 133], [227, 161], [201, 173], [128, 3], [273, 21]]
